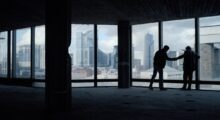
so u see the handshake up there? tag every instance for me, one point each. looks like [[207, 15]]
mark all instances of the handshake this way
[[176, 58]]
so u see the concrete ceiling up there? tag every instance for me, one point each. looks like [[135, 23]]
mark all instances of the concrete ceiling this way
[[23, 13]]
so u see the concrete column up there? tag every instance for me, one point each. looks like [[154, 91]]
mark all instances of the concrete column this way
[[160, 27], [58, 66], [124, 54], [197, 41], [32, 53]]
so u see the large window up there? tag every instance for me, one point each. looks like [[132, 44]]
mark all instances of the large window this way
[[39, 66], [3, 54], [107, 52], [210, 48], [82, 51], [144, 45], [177, 35], [23, 53]]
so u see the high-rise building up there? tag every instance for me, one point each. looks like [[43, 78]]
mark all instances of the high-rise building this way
[[132, 56], [3, 53], [101, 59], [24, 56], [207, 61], [23, 59], [39, 57], [109, 59], [137, 64], [148, 51], [114, 58], [83, 49]]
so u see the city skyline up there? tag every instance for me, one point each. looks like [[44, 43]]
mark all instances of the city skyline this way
[[107, 38], [136, 33]]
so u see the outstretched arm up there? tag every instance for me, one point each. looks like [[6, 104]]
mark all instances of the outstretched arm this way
[[172, 59], [181, 56]]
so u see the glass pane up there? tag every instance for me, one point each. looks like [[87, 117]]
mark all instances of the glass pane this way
[[209, 87], [87, 84], [143, 84], [82, 51], [3, 54], [23, 53], [177, 35], [210, 48], [144, 45], [107, 53], [156, 84], [39, 67], [108, 84]]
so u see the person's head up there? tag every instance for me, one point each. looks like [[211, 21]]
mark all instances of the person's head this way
[[166, 48], [188, 48]]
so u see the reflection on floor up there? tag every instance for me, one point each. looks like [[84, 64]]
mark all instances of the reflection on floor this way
[[111, 103]]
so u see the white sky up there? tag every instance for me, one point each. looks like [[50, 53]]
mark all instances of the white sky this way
[[177, 34]]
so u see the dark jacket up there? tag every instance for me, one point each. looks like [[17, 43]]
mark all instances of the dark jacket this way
[[190, 58], [160, 58]]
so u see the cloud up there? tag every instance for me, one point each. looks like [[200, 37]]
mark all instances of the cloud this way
[[23, 36], [107, 35], [40, 35], [139, 32], [108, 30], [179, 34], [108, 44], [181, 24], [207, 21]]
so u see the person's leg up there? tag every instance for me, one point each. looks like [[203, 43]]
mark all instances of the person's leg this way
[[184, 80], [190, 80], [152, 78], [161, 79]]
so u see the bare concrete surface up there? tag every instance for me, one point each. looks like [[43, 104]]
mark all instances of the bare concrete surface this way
[[112, 103]]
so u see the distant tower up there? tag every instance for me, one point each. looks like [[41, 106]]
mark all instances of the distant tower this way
[[3, 53], [109, 59], [114, 58], [207, 64], [24, 56], [148, 51], [77, 52], [101, 58], [38, 56], [84, 49]]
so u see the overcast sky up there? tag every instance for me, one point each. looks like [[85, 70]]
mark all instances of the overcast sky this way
[[177, 34]]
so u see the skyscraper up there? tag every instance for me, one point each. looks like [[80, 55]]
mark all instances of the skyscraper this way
[[207, 60], [23, 61], [39, 57], [102, 58], [3, 53], [24, 56], [148, 51], [83, 49], [114, 58]]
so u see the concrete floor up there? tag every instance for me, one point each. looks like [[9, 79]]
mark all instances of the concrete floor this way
[[111, 103]]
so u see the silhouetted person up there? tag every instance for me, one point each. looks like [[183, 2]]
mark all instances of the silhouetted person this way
[[189, 65], [160, 58]]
